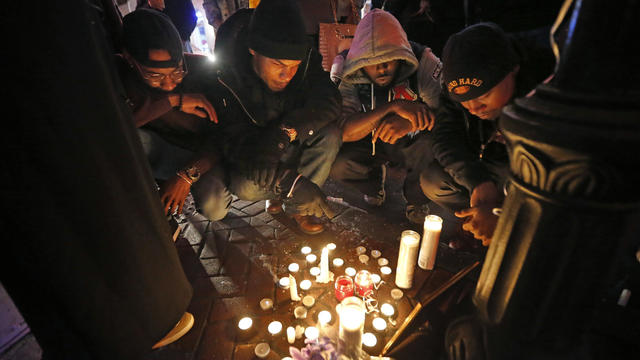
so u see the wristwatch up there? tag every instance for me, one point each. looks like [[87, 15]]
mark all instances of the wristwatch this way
[[291, 132], [192, 173]]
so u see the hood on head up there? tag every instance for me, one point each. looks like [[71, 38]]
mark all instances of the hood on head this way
[[379, 38]]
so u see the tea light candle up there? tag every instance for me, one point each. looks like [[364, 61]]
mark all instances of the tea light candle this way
[[311, 333], [245, 323], [369, 340], [324, 317], [387, 309], [284, 282], [337, 262], [331, 246], [396, 294], [363, 283], [308, 301], [300, 312], [379, 324], [350, 271], [315, 271], [430, 238], [323, 278], [361, 250], [311, 258], [383, 262], [407, 257], [363, 258], [375, 278], [305, 284], [274, 327], [291, 334], [293, 289], [294, 267], [305, 250], [266, 304], [375, 253], [385, 270], [262, 350]]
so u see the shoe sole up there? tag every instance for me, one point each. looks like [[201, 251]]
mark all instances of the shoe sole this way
[[182, 327]]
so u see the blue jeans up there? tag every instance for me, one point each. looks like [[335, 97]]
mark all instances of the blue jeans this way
[[210, 194]]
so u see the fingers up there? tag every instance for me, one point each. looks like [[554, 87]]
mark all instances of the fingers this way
[[324, 206], [466, 212], [376, 134], [211, 111], [431, 119]]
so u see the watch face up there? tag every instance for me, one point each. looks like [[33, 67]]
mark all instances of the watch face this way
[[193, 173]]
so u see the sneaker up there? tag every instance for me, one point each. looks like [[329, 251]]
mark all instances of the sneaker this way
[[182, 327], [309, 225], [273, 206], [379, 198], [416, 213]]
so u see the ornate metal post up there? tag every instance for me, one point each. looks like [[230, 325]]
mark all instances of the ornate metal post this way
[[573, 203]]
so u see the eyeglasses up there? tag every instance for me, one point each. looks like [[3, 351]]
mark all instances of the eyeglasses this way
[[156, 78]]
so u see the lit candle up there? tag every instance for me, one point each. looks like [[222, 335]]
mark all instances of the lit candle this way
[[308, 301], [361, 250], [430, 238], [363, 283], [323, 278], [305, 250], [315, 271], [293, 289], [324, 317], [274, 327], [337, 262], [299, 331], [350, 271], [369, 340], [383, 262], [387, 309], [245, 323], [407, 256], [376, 278], [375, 253], [294, 267], [311, 258], [266, 304], [291, 334], [311, 333], [385, 270], [363, 258], [284, 282], [262, 350], [379, 324], [305, 284], [331, 246], [352, 314]]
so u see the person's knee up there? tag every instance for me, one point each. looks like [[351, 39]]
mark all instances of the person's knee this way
[[339, 169], [212, 197], [430, 180], [329, 140]]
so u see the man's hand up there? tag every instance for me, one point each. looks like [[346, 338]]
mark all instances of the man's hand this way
[[308, 199], [197, 104], [481, 222], [392, 128], [485, 194], [262, 166], [173, 193], [417, 113]]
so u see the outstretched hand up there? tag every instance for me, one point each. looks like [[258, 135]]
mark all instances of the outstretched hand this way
[[197, 104], [308, 199], [392, 128], [417, 113], [173, 194], [480, 221]]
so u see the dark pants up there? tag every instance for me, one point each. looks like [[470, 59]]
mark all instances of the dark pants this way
[[440, 187], [356, 166]]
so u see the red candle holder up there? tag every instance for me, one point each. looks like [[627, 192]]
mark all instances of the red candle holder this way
[[344, 287], [363, 283]]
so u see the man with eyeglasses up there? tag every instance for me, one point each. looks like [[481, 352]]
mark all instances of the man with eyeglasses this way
[[174, 120]]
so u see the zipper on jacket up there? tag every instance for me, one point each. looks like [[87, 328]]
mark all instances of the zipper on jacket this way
[[239, 101]]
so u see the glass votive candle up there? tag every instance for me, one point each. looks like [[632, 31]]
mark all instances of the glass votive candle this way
[[274, 327], [294, 267], [311, 258], [305, 250], [369, 340], [387, 309], [343, 287], [315, 271], [363, 283], [350, 271], [337, 262], [331, 246], [379, 324], [305, 284], [245, 323]]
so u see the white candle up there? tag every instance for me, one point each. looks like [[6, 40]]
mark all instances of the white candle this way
[[430, 238], [369, 340], [311, 258], [387, 309], [383, 262], [324, 317], [294, 267], [323, 278], [308, 301], [284, 282], [315, 271], [293, 289], [305, 250], [311, 332], [361, 250], [274, 327], [375, 253], [407, 256], [352, 315], [291, 334], [350, 271], [262, 350], [266, 304], [385, 270], [337, 262], [245, 323], [305, 284], [331, 246], [379, 324]]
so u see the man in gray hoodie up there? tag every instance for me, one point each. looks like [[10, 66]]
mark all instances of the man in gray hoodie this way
[[389, 87]]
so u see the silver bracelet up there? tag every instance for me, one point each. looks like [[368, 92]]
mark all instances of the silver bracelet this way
[[293, 185]]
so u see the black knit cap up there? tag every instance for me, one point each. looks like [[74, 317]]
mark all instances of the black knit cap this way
[[276, 30], [146, 29], [475, 60]]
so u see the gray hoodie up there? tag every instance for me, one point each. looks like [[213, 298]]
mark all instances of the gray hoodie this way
[[379, 38]]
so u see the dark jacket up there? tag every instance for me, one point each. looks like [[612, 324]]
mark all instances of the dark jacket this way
[[247, 108], [463, 144]]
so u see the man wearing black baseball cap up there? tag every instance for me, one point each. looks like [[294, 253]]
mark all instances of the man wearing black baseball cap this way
[[484, 69]]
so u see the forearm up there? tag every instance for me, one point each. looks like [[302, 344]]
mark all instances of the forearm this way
[[360, 124], [152, 109]]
